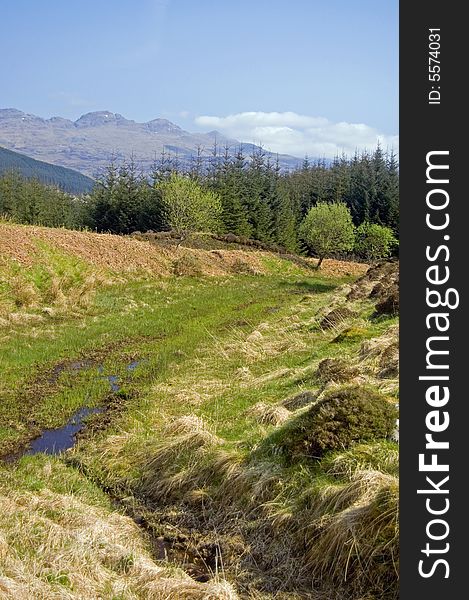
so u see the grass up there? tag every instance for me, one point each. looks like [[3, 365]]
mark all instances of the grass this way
[[158, 322], [61, 539], [221, 348]]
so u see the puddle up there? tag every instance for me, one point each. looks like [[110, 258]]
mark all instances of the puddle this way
[[134, 364], [55, 441], [114, 379], [76, 365]]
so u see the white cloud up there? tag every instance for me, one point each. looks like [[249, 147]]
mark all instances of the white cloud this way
[[291, 133]]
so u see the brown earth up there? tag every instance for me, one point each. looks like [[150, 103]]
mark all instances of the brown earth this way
[[125, 254]]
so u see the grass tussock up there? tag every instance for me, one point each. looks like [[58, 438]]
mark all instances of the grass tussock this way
[[337, 318], [337, 370], [268, 414], [355, 544], [378, 456], [167, 465]]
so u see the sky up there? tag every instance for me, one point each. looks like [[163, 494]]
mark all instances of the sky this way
[[299, 76]]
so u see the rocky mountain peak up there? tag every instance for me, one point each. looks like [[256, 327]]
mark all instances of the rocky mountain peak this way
[[163, 126], [99, 118]]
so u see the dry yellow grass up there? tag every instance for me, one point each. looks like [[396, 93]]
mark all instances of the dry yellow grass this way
[[355, 532], [54, 546], [268, 414]]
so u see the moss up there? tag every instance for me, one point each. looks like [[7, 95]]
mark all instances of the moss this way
[[343, 417], [350, 334]]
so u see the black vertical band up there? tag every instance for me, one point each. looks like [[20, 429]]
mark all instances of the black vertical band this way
[[434, 272]]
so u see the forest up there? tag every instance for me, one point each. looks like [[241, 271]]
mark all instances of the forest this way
[[247, 196]]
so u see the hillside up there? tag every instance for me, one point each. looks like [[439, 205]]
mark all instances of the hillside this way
[[67, 180], [192, 423], [92, 141]]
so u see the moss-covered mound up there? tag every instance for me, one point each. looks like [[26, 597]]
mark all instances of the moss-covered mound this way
[[343, 417]]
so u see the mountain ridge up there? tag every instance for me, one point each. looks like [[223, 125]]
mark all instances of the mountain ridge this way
[[68, 180], [94, 139]]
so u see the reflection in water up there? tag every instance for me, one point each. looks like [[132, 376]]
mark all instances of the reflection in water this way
[[54, 441]]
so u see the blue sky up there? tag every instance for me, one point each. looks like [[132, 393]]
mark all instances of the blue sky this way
[[299, 76]]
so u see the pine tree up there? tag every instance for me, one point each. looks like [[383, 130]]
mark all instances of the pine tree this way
[[392, 192], [258, 186], [231, 186]]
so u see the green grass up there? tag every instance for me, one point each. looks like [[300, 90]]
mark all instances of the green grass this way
[[207, 347], [160, 322], [40, 472]]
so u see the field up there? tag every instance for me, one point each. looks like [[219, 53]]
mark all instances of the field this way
[[208, 467]]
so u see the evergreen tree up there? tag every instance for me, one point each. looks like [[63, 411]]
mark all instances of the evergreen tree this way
[[258, 200]]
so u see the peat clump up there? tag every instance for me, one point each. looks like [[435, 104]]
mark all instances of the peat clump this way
[[336, 369], [336, 317]]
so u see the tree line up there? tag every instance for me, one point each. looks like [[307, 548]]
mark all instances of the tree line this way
[[248, 196], [32, 202]]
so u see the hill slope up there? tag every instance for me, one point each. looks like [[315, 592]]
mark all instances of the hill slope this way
[[235, 426], [66, 179], [91, 141]]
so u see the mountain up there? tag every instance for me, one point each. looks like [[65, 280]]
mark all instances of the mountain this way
[[93, 140], [66, 179]]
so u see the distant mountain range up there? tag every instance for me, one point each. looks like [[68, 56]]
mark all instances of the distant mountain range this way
[[92, 141], [66, 179]]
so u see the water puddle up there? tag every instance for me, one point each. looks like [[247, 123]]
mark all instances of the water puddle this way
[[55, 441], [134, 364], [114, 379]]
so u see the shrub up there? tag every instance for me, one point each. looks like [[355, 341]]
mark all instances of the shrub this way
[[328, 229], [187, 207], [343, 417], [374, 241]]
